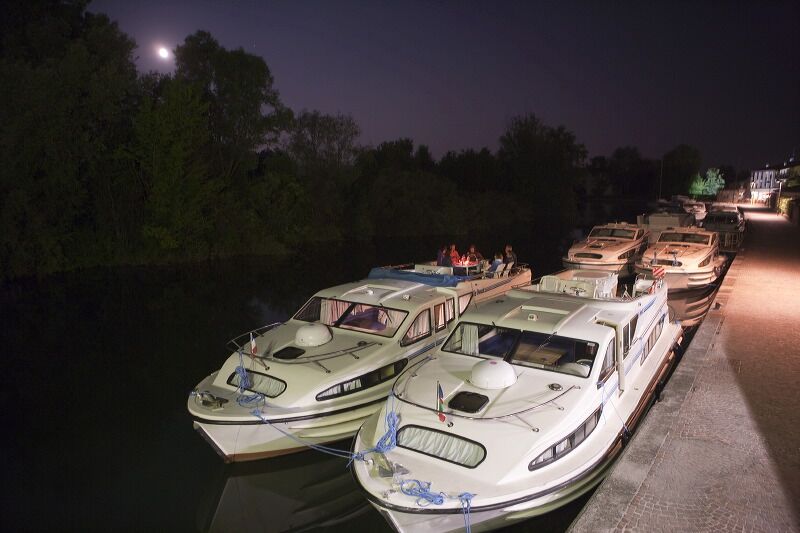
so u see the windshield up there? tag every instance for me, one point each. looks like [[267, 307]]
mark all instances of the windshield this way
[[696, 238], [377, 320], [722, 219], [613, 232], [524, 348]]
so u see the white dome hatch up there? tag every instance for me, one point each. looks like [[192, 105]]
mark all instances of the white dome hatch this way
[[493, 374], [312, 335]]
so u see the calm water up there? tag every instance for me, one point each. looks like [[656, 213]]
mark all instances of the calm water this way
[[98, 367]]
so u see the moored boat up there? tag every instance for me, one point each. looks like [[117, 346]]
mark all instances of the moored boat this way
[[688, 257], [316, 377], [729, 223], [614, 247], [524, 407]]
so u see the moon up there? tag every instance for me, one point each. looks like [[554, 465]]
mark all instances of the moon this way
[[163, 53]]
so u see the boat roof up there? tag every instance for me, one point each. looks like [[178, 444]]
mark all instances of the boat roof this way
[[547, 313], [687, 229], [618, 225], [432, 279], [394, 293]]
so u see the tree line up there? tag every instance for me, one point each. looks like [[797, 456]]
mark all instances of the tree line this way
[[103, 165]]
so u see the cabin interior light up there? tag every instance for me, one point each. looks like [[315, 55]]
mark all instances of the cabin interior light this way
[[566, 445], [364, 381]]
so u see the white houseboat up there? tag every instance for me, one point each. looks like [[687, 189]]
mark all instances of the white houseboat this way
[[614, 247], [689, 258], [315, 378], [524, 407], [729, 223]]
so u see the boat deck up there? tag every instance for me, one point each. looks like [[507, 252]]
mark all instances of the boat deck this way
[[721, 451]]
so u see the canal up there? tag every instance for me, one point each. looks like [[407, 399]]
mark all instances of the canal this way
[[98, 365]]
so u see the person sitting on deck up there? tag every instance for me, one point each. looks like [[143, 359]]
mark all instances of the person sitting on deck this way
[[510, 256], [443, 257], [455, 257], [498, 260], [473, 254]]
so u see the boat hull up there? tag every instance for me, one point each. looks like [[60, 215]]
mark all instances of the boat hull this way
[[499, 516], [623, 268], [680, 280], [239, 442]]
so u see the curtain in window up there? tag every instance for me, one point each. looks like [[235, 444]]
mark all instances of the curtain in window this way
[[420, 327], [332, 310], [469, 339], [450, 309]]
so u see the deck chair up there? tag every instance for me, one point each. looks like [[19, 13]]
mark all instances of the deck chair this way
[[498, 273]]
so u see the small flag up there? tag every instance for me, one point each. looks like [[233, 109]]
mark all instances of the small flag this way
[[440, 402], [253, 347]]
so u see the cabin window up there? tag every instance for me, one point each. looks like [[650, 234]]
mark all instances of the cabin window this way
[[463, 303], [628, 334], [364, 381], [439, 322], [609, 361], [450, 310], [525, 348], [655, 333], [568, 444], [419, 329], [378, 320], [259, 383], [443, 314]]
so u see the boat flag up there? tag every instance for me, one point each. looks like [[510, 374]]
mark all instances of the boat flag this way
[[440, 402], [253, 347]]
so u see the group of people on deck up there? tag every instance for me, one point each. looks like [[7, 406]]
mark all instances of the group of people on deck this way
[[449, 256]]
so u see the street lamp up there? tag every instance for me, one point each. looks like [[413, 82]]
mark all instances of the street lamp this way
[[778, 202]]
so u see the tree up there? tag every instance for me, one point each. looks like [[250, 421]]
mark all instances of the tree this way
[[67, 94], [541, 163], [245, 111], [322, 143], [168, 154], [708, 185], [680, 165]]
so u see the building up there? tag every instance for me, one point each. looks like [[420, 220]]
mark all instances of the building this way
[[766, 182]]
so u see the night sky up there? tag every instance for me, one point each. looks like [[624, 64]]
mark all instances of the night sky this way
[[721, 76]]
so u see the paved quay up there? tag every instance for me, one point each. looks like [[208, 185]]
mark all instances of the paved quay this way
[[721, 451]]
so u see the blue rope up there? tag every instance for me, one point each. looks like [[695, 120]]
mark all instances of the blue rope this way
[[466, 506], [421, 490], [319, 447], [244, 399]]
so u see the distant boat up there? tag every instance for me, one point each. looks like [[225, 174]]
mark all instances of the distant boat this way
[[315, 378], [689, 257], [614, 247], [525, 406], [729, 223]]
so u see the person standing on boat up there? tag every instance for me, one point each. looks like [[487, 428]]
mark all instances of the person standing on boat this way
[[473, 254], [443, 257], [510, 256], [455, 257]]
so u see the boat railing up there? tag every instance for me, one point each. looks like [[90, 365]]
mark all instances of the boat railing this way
[[433, 269], [413, 370], [240, 342]]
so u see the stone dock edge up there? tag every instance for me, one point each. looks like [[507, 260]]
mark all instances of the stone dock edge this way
[[607, 506]]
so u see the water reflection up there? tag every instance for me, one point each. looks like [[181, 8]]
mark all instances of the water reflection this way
[[690, 307], [292, 493]]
